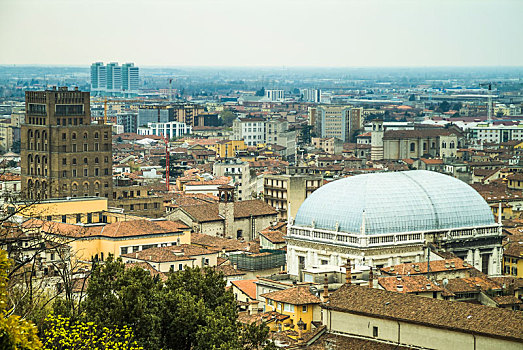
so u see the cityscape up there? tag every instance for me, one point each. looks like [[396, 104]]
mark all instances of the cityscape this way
[[261, 175]]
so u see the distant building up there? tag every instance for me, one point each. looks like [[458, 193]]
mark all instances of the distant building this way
[[341, 122], [183, 113], [240, 176], [286, 193], [129, 121], [275, 95], [251, 130], [167, 129], [114, 80], [311, 95], [489, 133]]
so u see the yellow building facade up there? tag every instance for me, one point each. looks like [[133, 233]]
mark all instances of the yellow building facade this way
[[228, 149], [293, 305], [96, 242]]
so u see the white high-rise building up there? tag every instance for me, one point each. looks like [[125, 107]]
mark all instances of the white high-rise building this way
[[114, 80], [311, 95], [275, 95]]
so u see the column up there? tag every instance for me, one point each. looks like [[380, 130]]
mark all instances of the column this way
[[470, 257], [477, 259]]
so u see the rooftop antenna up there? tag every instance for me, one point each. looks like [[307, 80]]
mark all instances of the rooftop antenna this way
[[489, 100]]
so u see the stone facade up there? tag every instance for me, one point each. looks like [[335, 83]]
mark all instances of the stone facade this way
[[63, 154]]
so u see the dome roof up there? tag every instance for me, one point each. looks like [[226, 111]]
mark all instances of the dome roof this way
[[394, 202]]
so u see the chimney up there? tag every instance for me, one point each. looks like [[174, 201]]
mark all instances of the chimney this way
[[452, 264], [348, 273], [428, 286], [326, 289], [371, 278], [399, 287]]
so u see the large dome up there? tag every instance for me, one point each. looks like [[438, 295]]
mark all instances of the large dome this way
[[394, 202]]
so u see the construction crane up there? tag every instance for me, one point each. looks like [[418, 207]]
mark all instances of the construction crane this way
[[490, 107], [167, 156]]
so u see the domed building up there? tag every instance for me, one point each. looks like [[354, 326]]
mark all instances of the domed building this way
[[384, 219]]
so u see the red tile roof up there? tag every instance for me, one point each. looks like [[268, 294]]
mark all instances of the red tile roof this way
[[246, 286], [295, 296]]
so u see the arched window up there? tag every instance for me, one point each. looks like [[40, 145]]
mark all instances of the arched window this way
[[37, 159], [97, 185], [73, 136], [86, 186], [412, 147], [85, 135], [452, 144], [96, 161], [74, 161], [443, 145], [96, 135], [74, 186], [85, 161]]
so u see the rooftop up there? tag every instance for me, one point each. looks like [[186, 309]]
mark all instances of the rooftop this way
[[295, 296], [451, 315]]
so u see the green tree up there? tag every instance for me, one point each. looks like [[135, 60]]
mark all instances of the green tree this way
[[444, 107], [227, 117], [306, 134], [260, 92], [16, 147], [15, 333], [119, 297]]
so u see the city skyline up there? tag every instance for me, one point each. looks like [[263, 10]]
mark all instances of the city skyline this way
[[228, 33]]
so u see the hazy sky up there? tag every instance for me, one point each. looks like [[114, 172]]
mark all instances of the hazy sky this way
[[263, 33]]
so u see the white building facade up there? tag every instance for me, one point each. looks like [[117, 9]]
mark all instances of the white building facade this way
[[167, 129]]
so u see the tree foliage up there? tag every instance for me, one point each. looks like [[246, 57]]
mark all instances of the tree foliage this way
[[227, 117], [190, 310], [15, 332], [61, 333], [120, 297]]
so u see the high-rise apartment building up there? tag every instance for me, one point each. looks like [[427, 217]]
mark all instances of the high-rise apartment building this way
[[63, 154], [114, 80], [275, 95], [311, 95], [341, 122]]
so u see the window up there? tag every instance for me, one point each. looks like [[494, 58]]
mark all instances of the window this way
[[96, 146], [85, 172], [64, 218], [324, 262], [123, 250], [74, 161], [106, 171], [85, 161], [64, 136], [374, 331], [64, 161], [73, 136], [85, 135], [412, 147], [96, 171], [304, 308], [132, 207], [96, 135], [96, 160], [180, 267], [86, 147], [74, 172], [74, 147], [64, 173], [288, 307]]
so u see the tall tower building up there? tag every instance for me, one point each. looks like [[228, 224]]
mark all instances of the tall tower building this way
[[63, 154], [98, 78], [130, 79], [114, 78]]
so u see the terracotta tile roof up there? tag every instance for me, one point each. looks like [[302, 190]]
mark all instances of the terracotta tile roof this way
[[421, 267], [242, 209], [295, 296], [228, 270], [147, 267], [504, 300], [172, 253], [507, 281], [408, 284], [275, 237], [10, 177], [119, 229], [229, 244], [246, 286], [432, 161], [405, 134], [471, 284], [458, 316], [514, 248]]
